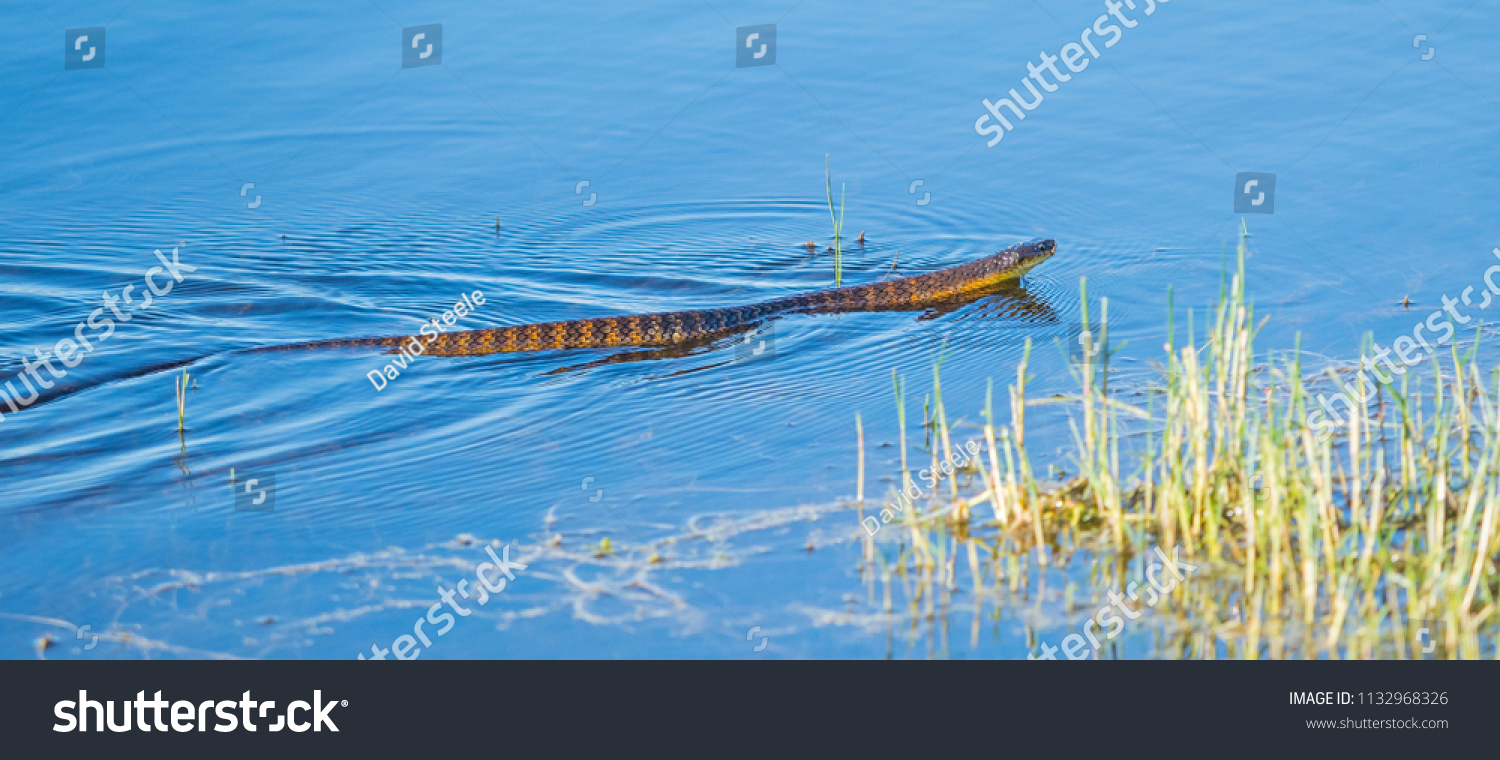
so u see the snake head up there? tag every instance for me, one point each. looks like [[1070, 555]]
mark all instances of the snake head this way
[[1018, 259], [1036, 251]]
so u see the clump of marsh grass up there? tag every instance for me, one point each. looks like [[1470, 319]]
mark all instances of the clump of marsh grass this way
[[1311, 545]]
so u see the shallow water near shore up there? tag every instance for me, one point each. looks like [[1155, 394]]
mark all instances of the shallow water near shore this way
[[722, 481]]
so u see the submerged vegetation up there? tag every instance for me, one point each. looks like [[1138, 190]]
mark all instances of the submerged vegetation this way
[[1377, 542]]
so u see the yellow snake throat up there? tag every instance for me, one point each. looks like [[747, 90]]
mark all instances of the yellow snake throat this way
[[671, 328]]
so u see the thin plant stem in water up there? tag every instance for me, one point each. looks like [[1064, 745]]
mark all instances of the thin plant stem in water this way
[[838, 222], [182, 389]]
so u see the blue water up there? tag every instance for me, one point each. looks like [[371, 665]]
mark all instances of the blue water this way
[[379, 190]]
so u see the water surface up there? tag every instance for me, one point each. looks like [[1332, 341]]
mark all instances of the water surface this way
[[380, 188]]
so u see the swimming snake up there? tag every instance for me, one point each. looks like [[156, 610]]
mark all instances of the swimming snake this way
[[671, 328]]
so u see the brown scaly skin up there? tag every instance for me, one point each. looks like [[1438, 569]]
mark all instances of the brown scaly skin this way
[[671, 328]]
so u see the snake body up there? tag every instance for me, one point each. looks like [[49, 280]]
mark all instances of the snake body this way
[[672, 328]]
